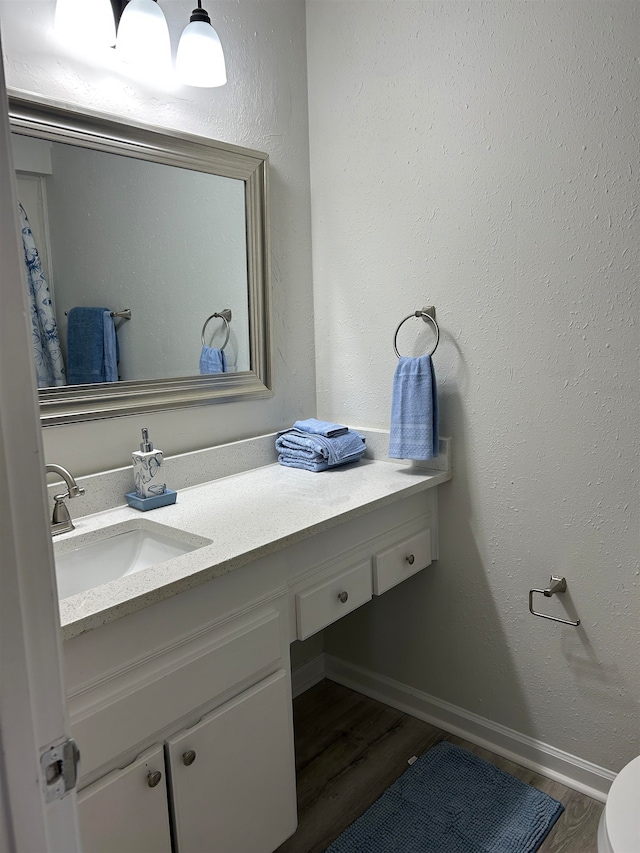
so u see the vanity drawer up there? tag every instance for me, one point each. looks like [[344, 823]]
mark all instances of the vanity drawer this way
[[322, 604], [400, 561]]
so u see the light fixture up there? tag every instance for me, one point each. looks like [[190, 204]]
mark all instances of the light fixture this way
[[200, 59], [85, 23], [143, 36]]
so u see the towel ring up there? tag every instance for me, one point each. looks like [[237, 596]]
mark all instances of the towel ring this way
[[425, 316], [225, 316]]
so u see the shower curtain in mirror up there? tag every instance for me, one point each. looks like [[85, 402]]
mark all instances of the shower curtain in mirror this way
[[44, 329]]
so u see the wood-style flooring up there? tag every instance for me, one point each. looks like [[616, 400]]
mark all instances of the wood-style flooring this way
[[350, 748]]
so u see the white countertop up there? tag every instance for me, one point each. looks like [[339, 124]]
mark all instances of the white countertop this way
[[245, 516]]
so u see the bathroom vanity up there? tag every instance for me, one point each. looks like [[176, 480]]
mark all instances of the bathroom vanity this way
[[178, 676]]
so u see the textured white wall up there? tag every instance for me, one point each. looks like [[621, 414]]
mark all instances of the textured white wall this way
[[483, 157], [263, 106]]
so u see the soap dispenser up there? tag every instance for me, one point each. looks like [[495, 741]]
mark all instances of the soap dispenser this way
[[150, 490], [147, 467]]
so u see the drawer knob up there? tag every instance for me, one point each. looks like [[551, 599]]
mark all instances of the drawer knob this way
[[410, 559], [343, 596], [153, 778], [188, 757]]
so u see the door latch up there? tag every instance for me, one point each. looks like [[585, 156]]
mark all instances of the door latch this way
[[59, 769]]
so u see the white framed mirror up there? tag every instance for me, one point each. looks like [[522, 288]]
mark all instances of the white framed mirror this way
[[161, 229]]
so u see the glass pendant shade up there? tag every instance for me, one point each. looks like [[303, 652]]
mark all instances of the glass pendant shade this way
[[85, 22], [143, 36], [200, 58]]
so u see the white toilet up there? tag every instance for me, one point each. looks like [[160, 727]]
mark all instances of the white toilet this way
[[619, 828]]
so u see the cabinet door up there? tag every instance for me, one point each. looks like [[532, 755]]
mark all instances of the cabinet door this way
[[232, 775], [127, 810]]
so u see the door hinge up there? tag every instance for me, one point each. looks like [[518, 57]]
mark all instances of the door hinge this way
[[59, 766]]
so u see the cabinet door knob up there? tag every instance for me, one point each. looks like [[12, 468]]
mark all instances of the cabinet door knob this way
[[188, 757], [343, 596], [153, 778], [410, 559]]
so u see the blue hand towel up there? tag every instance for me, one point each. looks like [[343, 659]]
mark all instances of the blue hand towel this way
[[212, 360], [414, 410], [88, 360], [319, 448], [317, 427]]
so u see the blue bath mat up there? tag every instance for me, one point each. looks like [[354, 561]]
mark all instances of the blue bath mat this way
[[451, 801]]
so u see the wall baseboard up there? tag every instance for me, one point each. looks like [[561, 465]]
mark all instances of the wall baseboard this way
[[563, 767], [305, 676]]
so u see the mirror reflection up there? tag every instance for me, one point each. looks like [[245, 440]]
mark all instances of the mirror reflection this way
[[127, 259], [147, 258]]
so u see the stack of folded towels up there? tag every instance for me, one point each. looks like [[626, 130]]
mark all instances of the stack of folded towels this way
[[317, 445]]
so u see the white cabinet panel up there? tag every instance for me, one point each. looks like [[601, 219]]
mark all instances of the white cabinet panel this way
[[123, 813], [238, 794], [118, 713]]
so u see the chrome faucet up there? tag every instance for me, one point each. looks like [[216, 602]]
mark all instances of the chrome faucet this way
[[61, 520]]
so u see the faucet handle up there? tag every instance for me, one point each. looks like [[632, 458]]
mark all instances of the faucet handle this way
[[72, 492]]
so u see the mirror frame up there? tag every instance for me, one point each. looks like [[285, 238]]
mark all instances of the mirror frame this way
[[52, 121]]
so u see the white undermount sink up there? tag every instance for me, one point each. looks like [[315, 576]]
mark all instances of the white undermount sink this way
[[124, 549]]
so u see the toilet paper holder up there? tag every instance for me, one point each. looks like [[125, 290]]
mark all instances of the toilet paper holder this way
[[556, 585]]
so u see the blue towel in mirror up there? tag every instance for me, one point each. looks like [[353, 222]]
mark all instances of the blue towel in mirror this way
[[414, 410], [92, 346], [212, 360], [110, 342]]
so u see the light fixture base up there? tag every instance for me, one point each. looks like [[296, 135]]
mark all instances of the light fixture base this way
[[200, 14]]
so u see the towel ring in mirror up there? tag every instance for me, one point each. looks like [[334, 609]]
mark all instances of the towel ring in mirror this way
[[225, 316], [426, 316]]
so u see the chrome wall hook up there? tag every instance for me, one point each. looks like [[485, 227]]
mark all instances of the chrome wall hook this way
[[556, 585]]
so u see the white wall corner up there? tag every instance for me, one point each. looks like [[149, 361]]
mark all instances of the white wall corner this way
[[377, 441], [442, 462]]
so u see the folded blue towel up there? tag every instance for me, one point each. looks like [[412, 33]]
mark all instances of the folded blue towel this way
[[212, 360], [319, 448], [317, 427], [414, 410], [295, 462], [92, 346]]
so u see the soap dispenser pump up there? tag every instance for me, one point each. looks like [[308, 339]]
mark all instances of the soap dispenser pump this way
[[147, 466]]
